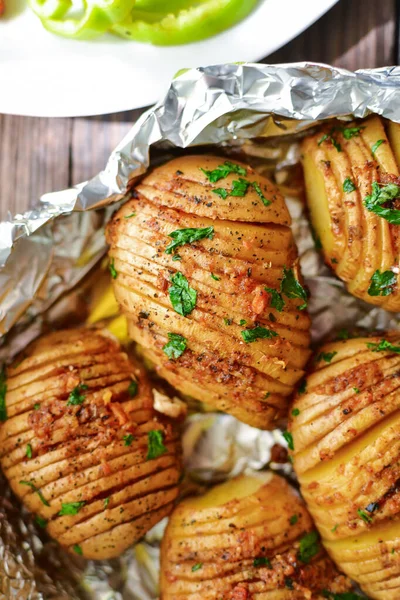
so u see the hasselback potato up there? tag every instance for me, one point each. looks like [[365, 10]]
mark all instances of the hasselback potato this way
[[205, 268], [81, 444], [353, 191], [247, 539], [345, 430]]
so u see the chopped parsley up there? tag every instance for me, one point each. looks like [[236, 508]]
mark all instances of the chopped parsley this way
[[381, 195], [128, 439], [106, 502], [348, 186], [130, 216], [228, 321], [260, 194], [183, 297], [3, 391], [239, 188], [28, 451], [356, 390], [77, 549], [221, 192], [382, 283], [267, 395], [326, 356], [262, 561], [349, 132], [383, 346], [329, 137], [292, 288], [293, 519], [309, 547], [223, 171], [341, 596], [334, 528], [303, 387], [289, 438], [40, 521], [188, 236], [295, 412], [251, 335], [242, 322], [36, 490], [76, 398], [112, 269], [71, 508], [155, 446], [343, 334], [196, 567], [376, 146], [363, 515], [176, 345], [176, 257], [36, 406], [276, 299], [289, 583], [215, 277], [133, 388]]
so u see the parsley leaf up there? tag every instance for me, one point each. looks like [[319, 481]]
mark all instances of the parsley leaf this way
[[196, 567], [155, 444], [376, 146], [176, 257], [295, 412], [36, 490], [289, 438], [130, 216], [215, 277], [363, 515], [302, 387], [329, 137], [28, 451], [40, 521], [36, 406], [176, 345], [133, 388], [383, 346], [112, 269], [276, 299], [239, 188], [309, 547], [381, 195], [128, 439], [251, 335], [356, 390], [289, 583], [260, 194], [382, 283], [77, 549], [223, 171], [341, 596], [349, 132], [262, 561], [343, 334], [188, 236], [183, 297], [76, 398], [106, 502], [324, 137], [242, 322], [348, 186], [70, 508], [3, 391], [292, 288], [293, 519], [221, 192], [326, 356]]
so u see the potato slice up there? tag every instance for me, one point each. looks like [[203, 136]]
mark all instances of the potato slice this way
[[245, 538], [246, 322], [341, 164], [82, 445], [346, 438]]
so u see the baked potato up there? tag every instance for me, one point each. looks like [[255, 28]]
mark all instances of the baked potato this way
[[352, 183], [345, 435], [82, 446], [249, 538], [205, 268]]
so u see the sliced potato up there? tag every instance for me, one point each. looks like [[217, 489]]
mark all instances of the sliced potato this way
[[82, 445], [250, 537], [341, 164], [238, 273], [346, 439]]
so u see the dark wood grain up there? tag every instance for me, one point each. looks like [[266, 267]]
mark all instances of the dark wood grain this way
[[40, 155]]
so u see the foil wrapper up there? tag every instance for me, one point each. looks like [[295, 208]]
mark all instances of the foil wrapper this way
[[47, 253]]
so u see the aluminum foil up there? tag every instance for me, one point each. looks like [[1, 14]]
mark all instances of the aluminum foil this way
[[47, 253]]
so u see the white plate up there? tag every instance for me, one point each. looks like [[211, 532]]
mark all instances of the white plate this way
[[48, 76]]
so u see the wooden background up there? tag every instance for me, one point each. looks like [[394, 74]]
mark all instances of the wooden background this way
[[40, 155]]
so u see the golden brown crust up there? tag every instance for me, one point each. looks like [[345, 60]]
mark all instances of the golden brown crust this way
[[80, 415], [346, 438], [339, 172], [229, 272], [243, 539]]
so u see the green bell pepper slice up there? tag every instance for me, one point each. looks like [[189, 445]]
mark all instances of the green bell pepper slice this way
[[151, 22], [98, 17], [50, 9]]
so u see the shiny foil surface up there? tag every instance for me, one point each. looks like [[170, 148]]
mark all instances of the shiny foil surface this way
[[255, 111]]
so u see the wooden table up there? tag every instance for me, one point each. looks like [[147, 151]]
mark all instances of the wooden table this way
[[40, 155]]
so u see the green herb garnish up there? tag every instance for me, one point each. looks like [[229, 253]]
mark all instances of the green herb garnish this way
[[71, 508], [28, 451], [176, 257], [128, 439], [262, 561], [188, 236], [326, 356], [289, 438], [221, 192], [215, 277], [223, 171], [76, 398], [196, 567], [176, 345], [183, 297], [36, 490], [334, 528], [349, 132], [383, 346], [293, 519], [133, 388], [289, 583], [348, 186], [277, 301], [239, 188], [112, 269], [106, 502], [77, 549], [130, 216], [343, 334], [251, 335], [376, 146], [295, 412], [242, 322], [155, 444], [381, 195], [260, 194], [341, 596], [36, 406], [382, 283], [356, 390], [302, 387], [292, 288], [363, 515], [40, 521], [309, 547]]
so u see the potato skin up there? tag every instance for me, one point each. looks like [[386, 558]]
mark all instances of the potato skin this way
[[339, 173], [241, 540], [79, 416], [346, 438], [250, 249]]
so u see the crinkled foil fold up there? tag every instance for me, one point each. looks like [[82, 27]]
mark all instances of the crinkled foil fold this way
[[47, 252]]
